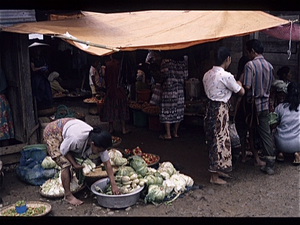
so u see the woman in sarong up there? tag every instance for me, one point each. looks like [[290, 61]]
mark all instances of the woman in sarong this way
[[218, 86]]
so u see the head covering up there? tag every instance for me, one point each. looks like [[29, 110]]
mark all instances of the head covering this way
[[52, 76], [280, 86], [140, 76]]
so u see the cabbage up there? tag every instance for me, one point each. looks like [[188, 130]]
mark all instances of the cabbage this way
[[151, 170], [113, 154], [48, 163], [124, 171], [166, 167], [154, 179], [119, 161], [165, 175], [189, 181], [179, 182], [139, 165], [169, 186], [156, 193]]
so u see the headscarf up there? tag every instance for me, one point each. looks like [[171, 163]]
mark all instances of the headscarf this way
[[280, 86], [52, 76]]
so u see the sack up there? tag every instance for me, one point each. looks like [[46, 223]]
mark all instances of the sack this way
[[156, 96], [252, 115], [30, 169], [234, 137]]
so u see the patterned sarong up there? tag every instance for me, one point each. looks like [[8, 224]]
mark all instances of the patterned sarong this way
[[53, 138], [6, 121], [216, 123]]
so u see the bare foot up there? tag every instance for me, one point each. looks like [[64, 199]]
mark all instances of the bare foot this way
[[72, 200], [259, 163], [297, 158], [217, 181]]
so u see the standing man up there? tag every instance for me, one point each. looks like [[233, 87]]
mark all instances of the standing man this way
[[259, 75]]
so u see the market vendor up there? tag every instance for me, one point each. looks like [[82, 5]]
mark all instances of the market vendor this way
[[67, 137], [55, 85]]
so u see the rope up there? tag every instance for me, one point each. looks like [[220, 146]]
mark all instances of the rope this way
[[290, 41]]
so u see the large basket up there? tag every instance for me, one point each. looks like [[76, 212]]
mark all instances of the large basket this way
[[143, 95]]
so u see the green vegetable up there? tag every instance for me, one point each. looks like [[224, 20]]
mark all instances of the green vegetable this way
[[138, 164], [48, 163], [119, 161], [124, 170], [20, 203], [156, 194], [154, 179]]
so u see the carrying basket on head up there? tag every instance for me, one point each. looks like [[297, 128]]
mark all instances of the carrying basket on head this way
[[63, 112]]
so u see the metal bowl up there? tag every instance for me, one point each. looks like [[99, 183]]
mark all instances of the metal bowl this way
[[115, 201]]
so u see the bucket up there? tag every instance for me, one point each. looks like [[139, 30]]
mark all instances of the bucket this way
[[140, 118], [154, 123], [143, 95]]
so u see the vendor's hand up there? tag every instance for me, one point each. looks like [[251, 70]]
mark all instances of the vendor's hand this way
[[115, 189], [78, 167]]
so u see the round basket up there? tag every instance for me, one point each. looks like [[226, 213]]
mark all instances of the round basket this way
[[30, 204]]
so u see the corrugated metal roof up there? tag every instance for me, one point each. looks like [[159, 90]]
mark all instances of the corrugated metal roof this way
[[9, 17]]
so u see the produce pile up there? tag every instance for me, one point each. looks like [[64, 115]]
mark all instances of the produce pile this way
[[162, 184], [53, 187], [31, 211]]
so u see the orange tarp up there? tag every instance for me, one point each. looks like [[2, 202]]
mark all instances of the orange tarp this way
[[153, 30]]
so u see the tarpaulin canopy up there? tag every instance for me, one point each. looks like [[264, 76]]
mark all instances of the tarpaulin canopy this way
[[102, 34]]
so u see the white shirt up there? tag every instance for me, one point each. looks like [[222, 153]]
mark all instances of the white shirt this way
[[75, 136], [219, 84]]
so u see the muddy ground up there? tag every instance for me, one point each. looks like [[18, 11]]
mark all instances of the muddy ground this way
[[249, 194]]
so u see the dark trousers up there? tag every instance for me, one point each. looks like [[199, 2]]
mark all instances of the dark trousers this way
[[264, 132]]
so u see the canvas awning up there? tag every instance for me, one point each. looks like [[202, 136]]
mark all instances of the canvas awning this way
[[153, 30]]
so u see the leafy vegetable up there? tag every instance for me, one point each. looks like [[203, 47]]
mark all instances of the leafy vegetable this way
[[179, 182], [113, 153], [169, 186], [48, 163], [154, 179], [166, 167], [189, 181], [124, 170], [138, 164], [156, 193], [119, 161]]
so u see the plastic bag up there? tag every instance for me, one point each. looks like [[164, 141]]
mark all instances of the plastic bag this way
[[30, 169]]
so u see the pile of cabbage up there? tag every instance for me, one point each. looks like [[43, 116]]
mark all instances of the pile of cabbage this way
[[53, 187], [160, 184]]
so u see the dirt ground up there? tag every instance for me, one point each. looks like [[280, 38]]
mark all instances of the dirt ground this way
[[249, 194]]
